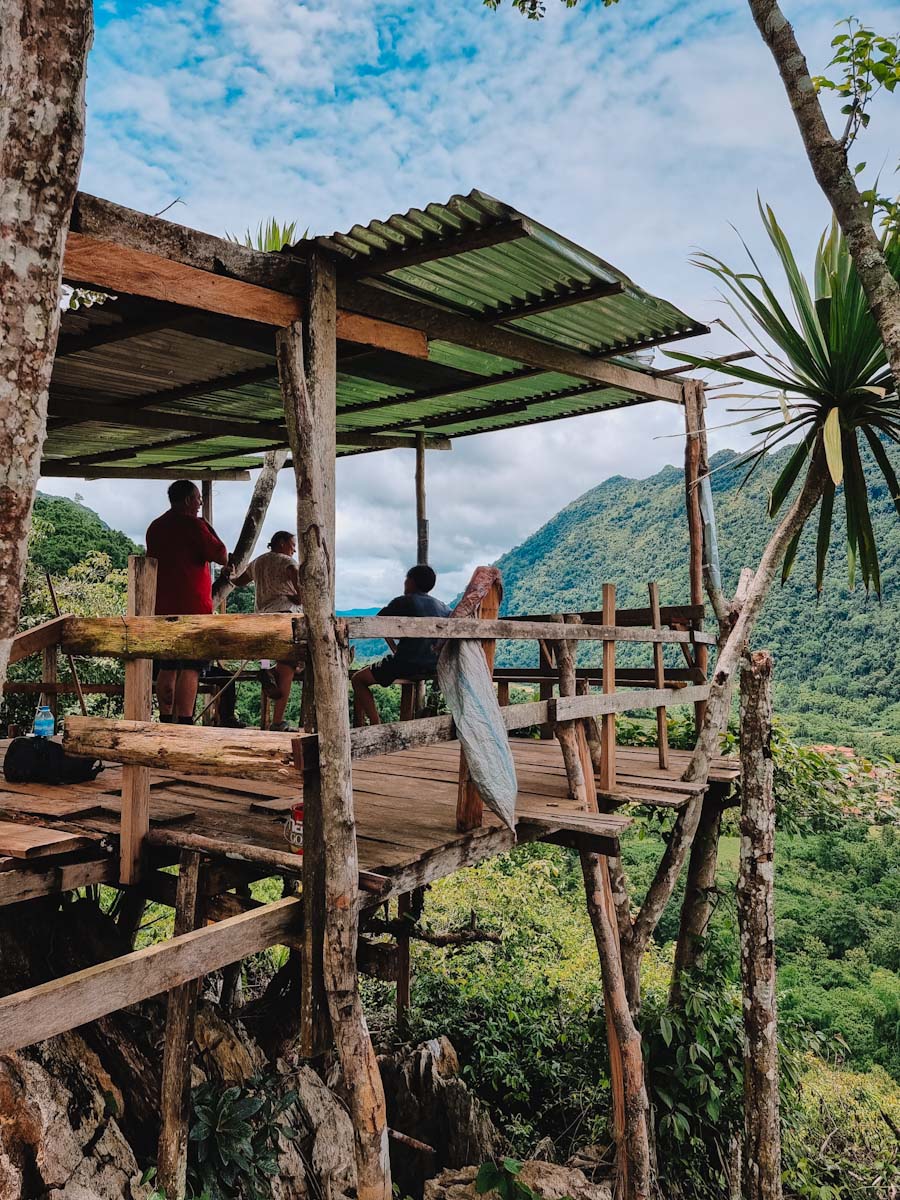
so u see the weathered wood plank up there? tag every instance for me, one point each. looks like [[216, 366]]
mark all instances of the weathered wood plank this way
[[50, 1008], [49, 879], [37, 841], [32, 641]]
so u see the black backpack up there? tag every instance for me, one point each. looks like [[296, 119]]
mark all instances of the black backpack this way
[[38, 760]]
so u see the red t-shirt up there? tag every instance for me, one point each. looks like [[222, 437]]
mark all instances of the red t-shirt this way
[[183, 547]]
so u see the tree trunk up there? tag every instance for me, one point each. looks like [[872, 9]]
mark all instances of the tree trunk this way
[[697, 907], [43, 54], [756, 918], [828, 159], [639, 1176], [253, 522], [310, 413]]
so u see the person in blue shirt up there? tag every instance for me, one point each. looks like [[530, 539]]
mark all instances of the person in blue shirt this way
[[412, 659]]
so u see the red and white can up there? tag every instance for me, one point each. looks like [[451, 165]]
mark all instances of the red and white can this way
[[293, 828]]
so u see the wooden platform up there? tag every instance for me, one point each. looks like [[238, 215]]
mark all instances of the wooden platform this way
[[57, 838]]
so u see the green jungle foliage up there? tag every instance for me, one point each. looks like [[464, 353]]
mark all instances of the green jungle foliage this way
[[70, 533], [837, 661]]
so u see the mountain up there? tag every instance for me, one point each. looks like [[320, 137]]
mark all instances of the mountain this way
[[837, 661]]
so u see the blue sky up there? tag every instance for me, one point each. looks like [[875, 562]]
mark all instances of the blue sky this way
[[641, 131]]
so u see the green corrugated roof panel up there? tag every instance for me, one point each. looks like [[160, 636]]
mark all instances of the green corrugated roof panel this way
[[537, 267]]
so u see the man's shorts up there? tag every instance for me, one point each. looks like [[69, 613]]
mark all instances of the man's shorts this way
[[390, 669], [181, 664]]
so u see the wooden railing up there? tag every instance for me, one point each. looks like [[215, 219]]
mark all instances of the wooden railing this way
[[262, 755]]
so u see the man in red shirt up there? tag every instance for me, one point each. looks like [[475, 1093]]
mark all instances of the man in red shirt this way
[[183, 545]]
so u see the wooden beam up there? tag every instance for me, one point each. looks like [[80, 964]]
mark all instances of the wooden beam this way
[[110, 222], [50, 469], [381, 262], [280, 635], [77, 412], [50, 1008], [507, 343], [375, 441], [93, 262], [34, 640], [49, 879]]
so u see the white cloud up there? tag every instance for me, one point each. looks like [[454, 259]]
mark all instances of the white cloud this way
[[640, 131]]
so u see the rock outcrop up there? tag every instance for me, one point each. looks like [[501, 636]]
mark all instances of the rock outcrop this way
[[547, 1179]]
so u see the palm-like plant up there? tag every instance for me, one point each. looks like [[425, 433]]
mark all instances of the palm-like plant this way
[[269, 235], [824, 372]]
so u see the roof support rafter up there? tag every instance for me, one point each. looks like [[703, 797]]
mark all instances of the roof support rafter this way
[[514, 312], [77, 413]]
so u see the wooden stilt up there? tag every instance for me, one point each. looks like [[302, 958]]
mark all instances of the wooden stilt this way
[[404, 970], [315, 1023], [662, 728], [695, 467], [421, 517], [309, 393], [179, 1044], [50, 674], [546, 689], [138, 707], [608, 720], [503, 693]]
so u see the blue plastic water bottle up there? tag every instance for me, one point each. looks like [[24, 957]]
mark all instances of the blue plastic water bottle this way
[[44, 725]]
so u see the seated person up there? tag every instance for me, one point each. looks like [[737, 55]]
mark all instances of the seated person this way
[[277, 579], [414, 658]]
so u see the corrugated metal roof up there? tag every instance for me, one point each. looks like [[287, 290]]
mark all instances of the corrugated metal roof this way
[[473, 255], [536, 267]]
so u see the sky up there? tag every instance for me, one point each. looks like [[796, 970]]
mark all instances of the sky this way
[[642, 131]]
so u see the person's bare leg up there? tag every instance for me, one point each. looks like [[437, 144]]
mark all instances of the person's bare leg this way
[[284, 676], [362, 682], [165, 692], [186, 693]]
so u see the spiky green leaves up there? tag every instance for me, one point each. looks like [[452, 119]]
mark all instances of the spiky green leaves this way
[[821, 372]]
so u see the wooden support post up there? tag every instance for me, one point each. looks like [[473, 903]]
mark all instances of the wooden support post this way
[[309, 391], [503, 692], [421, 517], [546, 689], [695, 467], [178, 1051], [756, 920], [138, 707], [206, 494], [50, 674], [608, 720], [315, 1024], [407, 701], [659, 678], [404, 967], [469, 805]]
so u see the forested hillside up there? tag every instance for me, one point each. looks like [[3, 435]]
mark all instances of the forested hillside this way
[[70, 533], [837, 660]]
